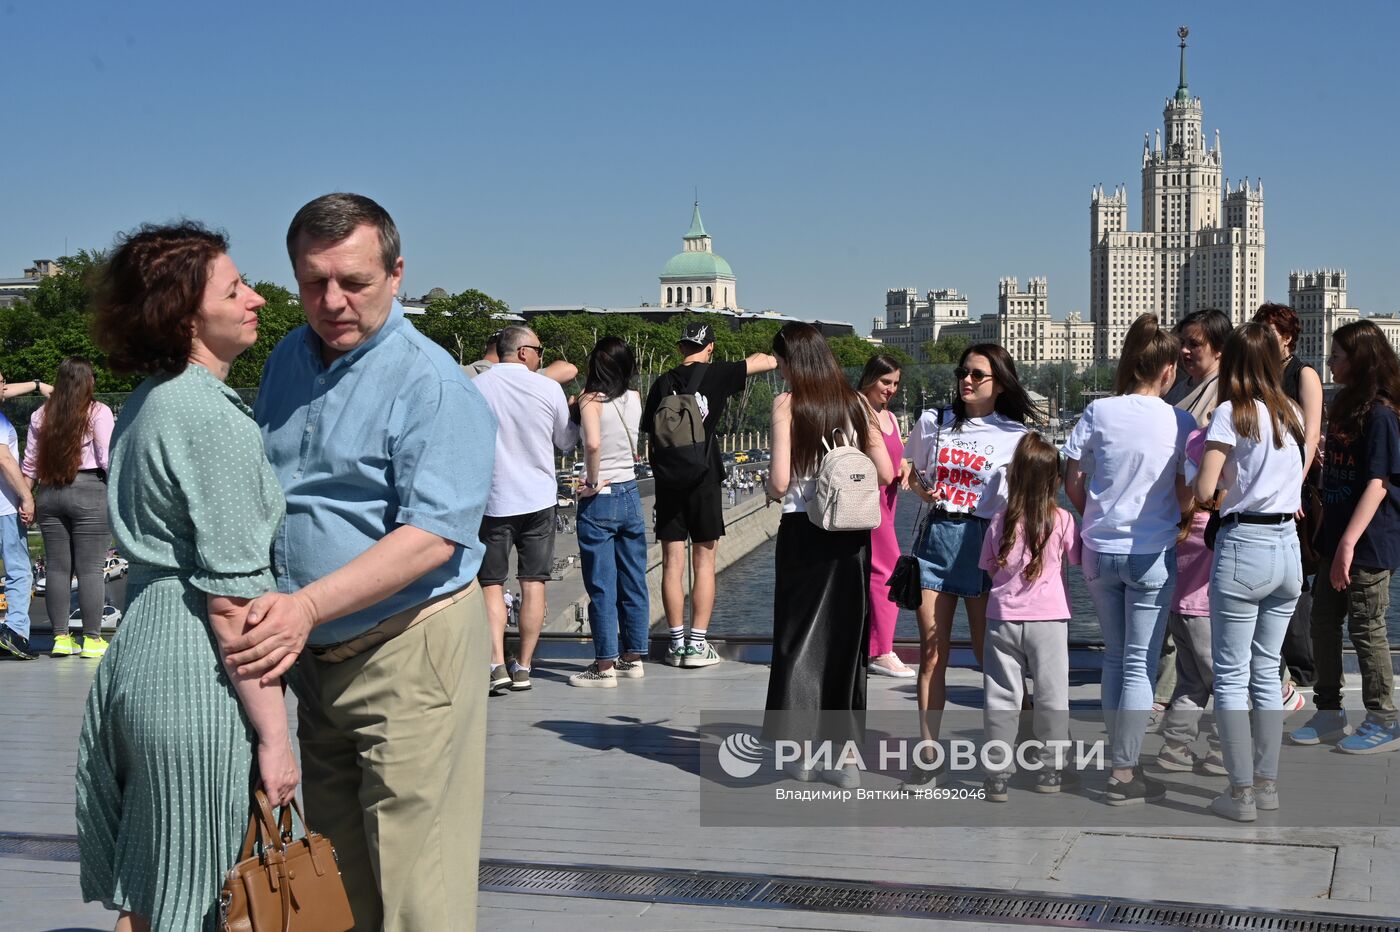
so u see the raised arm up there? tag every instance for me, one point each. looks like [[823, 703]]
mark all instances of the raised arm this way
[[760, 362], [561, 371]]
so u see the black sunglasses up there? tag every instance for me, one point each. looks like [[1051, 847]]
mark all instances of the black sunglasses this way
[[977, 375], [537, 349]]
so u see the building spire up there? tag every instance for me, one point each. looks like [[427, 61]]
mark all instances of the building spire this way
[[697, 226], [1182, 94]]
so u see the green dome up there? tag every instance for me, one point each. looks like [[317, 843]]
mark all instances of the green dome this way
[[696, 265]]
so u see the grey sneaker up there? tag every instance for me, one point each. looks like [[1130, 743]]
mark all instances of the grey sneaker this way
[[12, 643], [1266, 795], [1176, 757], [519, 679], [799, 773], [701, 657], [605, 679], [1240, 808], [1053, 781], [994, 789], [629, 669], [1212, 765], [500, 679], [847, 777], [1140, 789]]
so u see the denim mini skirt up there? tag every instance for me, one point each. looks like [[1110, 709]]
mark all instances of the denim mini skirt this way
[[948, 553]]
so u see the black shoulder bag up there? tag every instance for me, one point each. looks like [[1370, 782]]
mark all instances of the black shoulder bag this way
[[906, 581]]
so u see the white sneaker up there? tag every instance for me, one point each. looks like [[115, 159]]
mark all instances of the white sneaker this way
[[888, 664], [701, 657], [629, 669], [676, 656], [603, 679], [847, 777], [1240, 808], [1266, 795], [1293, 700]]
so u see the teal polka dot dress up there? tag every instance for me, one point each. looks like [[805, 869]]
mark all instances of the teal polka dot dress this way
[[165, 756]]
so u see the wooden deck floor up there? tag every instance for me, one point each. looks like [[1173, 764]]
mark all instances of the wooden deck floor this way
[[596, 777]]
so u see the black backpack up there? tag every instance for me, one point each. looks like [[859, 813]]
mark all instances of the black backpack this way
[[680, 449]]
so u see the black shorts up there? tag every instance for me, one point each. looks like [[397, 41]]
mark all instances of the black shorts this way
[[531, 535], [696, 513]]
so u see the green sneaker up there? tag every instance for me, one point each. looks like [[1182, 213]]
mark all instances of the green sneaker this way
[[699, 657], [676, 656], [94, 648], [64, 646]]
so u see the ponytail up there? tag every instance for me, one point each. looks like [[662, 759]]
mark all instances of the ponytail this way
[[1147, 350]]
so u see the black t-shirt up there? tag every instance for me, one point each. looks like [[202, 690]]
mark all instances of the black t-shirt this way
[[1346, 469], [720, 382]]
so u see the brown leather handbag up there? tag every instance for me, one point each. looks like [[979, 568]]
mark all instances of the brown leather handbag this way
[[283, 884]]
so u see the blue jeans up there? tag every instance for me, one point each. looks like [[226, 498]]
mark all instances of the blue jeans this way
[[1132, 594], [19, 577], [1254, 584], [612, 541]]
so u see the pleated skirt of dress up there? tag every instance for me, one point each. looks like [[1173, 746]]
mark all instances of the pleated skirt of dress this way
[[164, 763], [821, 632]]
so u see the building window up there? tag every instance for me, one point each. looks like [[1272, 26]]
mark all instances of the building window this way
[[709, 295], [668, 296], [689, 298]]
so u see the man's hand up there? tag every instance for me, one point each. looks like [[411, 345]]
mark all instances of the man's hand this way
[[279, 625], [26, 507]]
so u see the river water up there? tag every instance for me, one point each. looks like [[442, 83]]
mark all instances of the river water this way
[[744, 594]]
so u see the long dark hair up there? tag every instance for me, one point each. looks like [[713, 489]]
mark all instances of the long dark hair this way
[[611, 368], [1215, 326], [1147, 350], [1032, 479], [822, 399], [878, 365], [1373, 377], [1013, 402], [1251, 367], [67, 423]]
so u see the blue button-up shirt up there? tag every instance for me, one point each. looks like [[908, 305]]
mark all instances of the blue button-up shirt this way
[[391, 433]]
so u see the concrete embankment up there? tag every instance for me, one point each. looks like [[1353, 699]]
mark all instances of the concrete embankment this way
[[747, 525]]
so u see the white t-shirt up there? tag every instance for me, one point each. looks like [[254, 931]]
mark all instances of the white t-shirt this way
[[9, 498], [1131, 447], [1258, 478], [532, 420], [967, 466]]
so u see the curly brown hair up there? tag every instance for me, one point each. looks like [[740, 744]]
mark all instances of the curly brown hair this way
[[67, 423], [149, 292], [1285, 321]]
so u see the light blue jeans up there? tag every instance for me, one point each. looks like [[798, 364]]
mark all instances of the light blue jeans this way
[[19, 576], [1255, 582], [1132, 594], [612, 540]]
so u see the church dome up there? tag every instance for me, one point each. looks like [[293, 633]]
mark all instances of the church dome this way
[[696, 265]]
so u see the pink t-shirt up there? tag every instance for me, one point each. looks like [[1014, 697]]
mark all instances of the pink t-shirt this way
[[1193, 562], [95, 449], [1013, 598]]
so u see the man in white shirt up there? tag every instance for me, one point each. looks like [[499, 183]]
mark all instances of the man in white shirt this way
[[533, 418]]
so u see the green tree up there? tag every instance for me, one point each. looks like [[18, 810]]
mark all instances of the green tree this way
[[947, 349]]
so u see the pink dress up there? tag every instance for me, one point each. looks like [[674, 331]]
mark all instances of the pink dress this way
[[884, 552]]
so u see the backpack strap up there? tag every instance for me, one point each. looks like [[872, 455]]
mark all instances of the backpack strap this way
[[693, 384]]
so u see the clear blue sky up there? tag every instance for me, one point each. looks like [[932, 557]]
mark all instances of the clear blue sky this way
[[547, 153]]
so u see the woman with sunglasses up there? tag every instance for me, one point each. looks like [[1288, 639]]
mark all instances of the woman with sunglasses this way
[[957, 460]]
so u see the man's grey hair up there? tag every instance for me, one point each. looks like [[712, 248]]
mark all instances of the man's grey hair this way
[[332, 217], [512, 338]]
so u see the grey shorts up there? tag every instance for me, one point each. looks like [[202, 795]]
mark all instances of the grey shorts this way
[[532, 536]]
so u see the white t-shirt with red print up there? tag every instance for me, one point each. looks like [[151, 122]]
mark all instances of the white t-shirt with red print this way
[[966, 467]]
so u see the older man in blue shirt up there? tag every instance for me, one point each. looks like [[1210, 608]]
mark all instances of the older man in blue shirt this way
[[385, 453]]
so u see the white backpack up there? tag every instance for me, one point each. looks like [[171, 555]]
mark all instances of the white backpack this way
[[846, 496]]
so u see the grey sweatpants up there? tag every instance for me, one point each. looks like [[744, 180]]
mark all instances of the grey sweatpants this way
[[1194, 678], [1013, 650]]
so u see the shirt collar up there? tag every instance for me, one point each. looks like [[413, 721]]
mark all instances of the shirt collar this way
[[391, 323]]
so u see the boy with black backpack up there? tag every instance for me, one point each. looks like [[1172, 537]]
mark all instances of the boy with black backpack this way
[[682, 414]]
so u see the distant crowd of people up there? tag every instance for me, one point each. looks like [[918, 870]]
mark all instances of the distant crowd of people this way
[[352, 533]]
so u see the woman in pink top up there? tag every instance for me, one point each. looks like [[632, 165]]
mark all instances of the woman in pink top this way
[[878, 383], [66, 458], [1026, 550]]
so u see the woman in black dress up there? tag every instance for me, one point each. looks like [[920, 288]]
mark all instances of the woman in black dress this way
[[821, 608]]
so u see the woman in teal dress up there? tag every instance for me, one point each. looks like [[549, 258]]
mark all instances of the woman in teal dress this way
[[169, 738]]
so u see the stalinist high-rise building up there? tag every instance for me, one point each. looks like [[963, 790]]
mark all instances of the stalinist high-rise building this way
[[1202, 240]]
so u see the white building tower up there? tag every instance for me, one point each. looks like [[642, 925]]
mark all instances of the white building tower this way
[[1199, 247], [695, 276]]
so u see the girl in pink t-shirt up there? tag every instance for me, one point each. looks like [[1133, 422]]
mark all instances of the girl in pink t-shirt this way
[[1026, 550]]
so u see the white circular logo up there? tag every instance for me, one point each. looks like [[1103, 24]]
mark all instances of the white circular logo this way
[[740, 755]]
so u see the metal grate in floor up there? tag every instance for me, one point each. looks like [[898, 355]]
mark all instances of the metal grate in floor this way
[[813, 894], [755, 891]]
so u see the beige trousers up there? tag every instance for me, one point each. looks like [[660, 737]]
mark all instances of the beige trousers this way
[[393, 768]]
